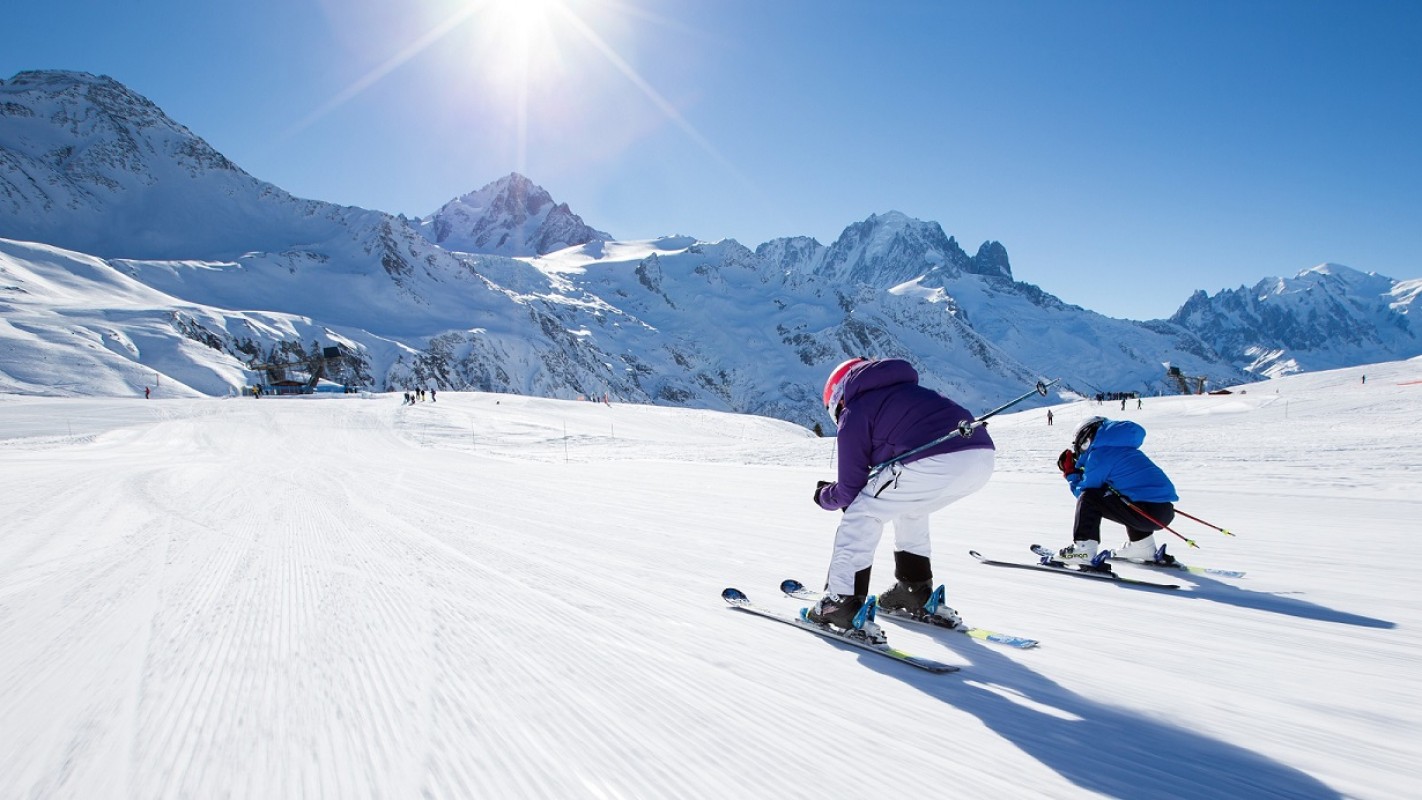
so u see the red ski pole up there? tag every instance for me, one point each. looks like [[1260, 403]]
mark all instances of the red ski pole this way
[[1202, 522], [1137, 509]]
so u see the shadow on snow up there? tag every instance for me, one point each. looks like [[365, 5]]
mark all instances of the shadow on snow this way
[[1099, 747], [1218, 591]]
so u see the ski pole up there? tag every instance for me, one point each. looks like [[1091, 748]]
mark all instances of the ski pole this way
[[965, 428], [1202, 522], [1153, 520]]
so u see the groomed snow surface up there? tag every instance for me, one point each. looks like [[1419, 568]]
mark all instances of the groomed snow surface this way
[[494, 596]]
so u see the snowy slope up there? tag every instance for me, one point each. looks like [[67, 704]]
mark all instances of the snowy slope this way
[[75, 325], [496, 596], [58, 340]]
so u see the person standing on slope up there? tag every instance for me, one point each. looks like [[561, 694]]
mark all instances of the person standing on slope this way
[[1108, 473], [881, 413]]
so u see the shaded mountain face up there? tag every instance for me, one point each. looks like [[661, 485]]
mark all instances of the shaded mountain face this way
[[501, 290], [89, 165], [512, 217], [1325, 317]]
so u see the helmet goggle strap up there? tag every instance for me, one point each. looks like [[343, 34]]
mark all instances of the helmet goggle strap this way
[[836, 403], [1086, 436]]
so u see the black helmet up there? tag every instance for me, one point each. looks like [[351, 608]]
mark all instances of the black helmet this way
[[1085, 433]]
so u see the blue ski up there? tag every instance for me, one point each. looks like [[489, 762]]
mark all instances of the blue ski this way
[[738, 600], [798, 591]]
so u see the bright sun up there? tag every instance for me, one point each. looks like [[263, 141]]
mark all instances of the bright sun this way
[[520, 44], [522, 50], [516, 47], [521, 17]]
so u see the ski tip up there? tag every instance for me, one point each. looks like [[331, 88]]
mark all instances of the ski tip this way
[[791, 586], [1020, 642], [733, 595]]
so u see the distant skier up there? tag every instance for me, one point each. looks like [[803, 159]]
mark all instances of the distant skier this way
[[1049, 416], [881, 413], [146, 393], [1106, 470]]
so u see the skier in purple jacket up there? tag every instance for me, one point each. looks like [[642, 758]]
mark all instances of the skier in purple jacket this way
[[882, 413]]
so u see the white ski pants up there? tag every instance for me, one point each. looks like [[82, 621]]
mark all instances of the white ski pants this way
[[904, 495]]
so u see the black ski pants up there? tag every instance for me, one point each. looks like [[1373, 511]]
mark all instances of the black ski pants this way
[[1095, 505]]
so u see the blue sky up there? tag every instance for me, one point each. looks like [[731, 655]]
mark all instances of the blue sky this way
[[1125, 153]]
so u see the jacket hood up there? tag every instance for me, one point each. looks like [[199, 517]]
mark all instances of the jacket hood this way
[[1118, 433], [878, 375]]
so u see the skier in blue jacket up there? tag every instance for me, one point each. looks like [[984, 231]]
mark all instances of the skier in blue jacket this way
[[1108, 473], [882, 413]]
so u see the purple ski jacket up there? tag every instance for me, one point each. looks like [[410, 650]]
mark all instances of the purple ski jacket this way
[[886, 413]]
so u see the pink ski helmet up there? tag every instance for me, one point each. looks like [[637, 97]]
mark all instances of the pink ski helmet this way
[[834, 386]]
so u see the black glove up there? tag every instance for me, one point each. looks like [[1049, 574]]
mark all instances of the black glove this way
[[820, 487], [1066, 462]]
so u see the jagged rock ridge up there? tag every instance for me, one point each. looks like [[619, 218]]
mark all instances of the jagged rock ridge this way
[[512, 217]]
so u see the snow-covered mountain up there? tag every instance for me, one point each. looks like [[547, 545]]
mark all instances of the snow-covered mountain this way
[[511, 217], [243, 271], [1325, 317], [88, 166], [91, 166]]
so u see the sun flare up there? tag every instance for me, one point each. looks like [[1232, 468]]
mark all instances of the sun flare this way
[[520, 17], [532, 64]]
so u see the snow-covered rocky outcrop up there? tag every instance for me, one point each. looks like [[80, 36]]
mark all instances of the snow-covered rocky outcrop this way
[[1325, 317], [512, 216]]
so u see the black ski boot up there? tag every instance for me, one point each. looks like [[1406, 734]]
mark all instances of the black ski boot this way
[[832, 609], [908, 596]]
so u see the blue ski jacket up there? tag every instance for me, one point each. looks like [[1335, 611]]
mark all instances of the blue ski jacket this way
[[1114, 457]]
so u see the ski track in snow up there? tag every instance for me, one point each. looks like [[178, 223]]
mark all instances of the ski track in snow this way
[[497, 596]]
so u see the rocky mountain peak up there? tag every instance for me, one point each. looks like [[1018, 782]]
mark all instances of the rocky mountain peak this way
[[91, 165], [888, 249], [1325, 316], [512, 216], [991, 260]]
